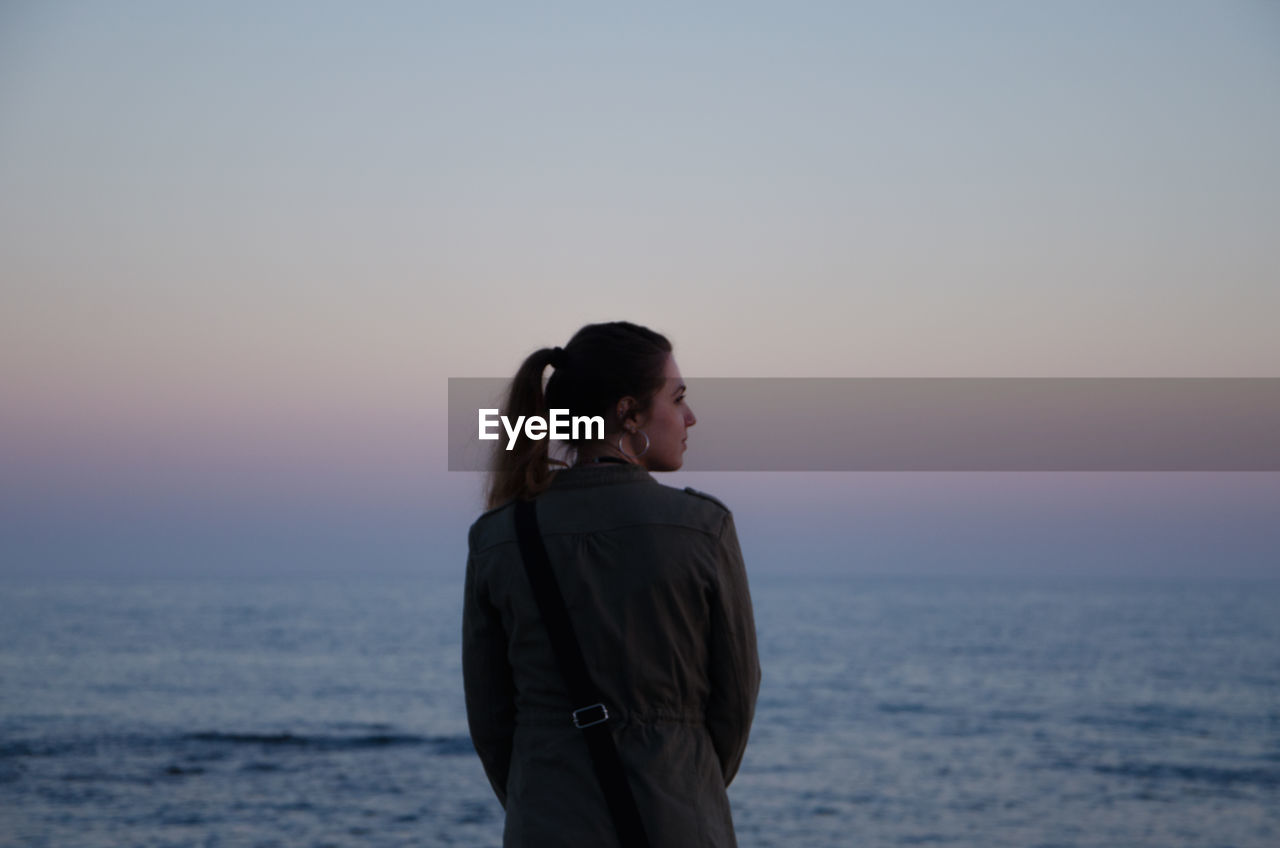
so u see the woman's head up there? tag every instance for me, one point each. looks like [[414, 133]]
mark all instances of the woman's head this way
[[619, 371]]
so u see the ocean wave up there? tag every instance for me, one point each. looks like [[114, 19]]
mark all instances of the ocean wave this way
[[346, 742], [1215, 775], [54, 746]]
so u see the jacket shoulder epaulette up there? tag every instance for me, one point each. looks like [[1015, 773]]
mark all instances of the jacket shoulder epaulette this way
[[483, 526], [491, 510], [698, 494]]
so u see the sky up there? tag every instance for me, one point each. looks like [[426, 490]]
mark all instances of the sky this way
[[243, 247]]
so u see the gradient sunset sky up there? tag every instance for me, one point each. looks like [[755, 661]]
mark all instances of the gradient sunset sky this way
[[243, 246]]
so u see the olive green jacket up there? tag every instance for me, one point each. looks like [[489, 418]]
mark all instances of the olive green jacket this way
[[654, 583]]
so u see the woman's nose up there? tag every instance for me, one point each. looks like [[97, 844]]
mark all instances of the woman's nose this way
[[690, 419]]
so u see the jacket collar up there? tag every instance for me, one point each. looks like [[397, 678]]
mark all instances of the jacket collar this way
[[599, 474]]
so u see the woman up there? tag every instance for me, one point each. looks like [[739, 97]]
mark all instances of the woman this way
[[654, 586]]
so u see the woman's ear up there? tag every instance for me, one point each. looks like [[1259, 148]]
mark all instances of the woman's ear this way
[[626, 416]]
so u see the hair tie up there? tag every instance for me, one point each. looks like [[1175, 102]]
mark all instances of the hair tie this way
[[557, 357]]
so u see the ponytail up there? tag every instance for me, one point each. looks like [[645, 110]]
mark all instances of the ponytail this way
[[524, 470]]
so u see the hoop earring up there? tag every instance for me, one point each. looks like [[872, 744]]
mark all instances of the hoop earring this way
[[623, 450]]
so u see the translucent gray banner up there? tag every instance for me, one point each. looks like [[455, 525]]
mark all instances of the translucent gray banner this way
[[947, 424]]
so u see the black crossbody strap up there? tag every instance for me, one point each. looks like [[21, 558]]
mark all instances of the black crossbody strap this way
[[591, 715]]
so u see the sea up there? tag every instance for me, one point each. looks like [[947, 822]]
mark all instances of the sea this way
[[963, 711]]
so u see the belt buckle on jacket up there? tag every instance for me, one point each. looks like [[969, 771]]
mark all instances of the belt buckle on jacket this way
[[590, 720]]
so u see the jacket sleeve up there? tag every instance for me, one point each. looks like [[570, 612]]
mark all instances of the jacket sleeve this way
[[735, 664], [487, 681]]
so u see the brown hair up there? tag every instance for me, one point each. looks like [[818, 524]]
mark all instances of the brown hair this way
[[601, 364]]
